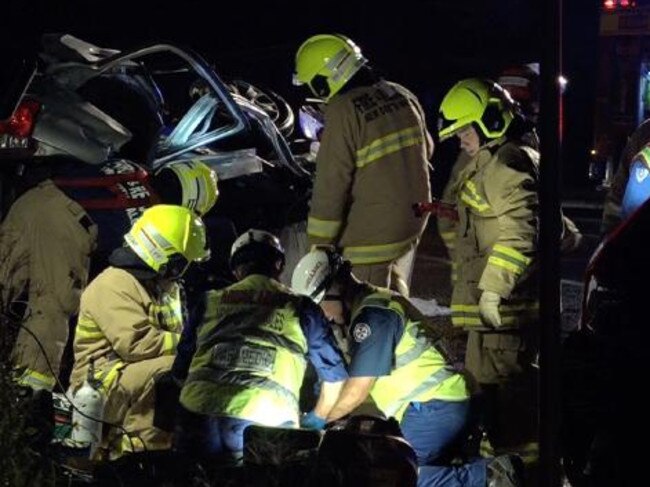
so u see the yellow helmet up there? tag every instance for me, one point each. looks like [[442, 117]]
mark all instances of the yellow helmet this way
[[326, 62], [477, 101], [167, 238], [198, 183]]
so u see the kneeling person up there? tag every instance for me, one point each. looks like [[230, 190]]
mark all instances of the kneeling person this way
[[130, 322], [401, 368], [252, 345]]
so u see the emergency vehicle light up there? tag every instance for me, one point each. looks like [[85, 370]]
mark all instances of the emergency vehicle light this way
[[21, 123], [612, 4]]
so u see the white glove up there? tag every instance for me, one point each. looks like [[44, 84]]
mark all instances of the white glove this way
[[488, 308]]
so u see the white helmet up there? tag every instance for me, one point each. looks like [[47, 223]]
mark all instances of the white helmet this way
[[255, 244], [314, 273]]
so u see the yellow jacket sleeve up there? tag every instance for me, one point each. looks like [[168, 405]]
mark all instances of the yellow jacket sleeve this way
[[514, 198], [335, 165]]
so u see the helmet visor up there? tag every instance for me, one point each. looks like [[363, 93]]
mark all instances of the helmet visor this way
[[197, 248], [448, 128]]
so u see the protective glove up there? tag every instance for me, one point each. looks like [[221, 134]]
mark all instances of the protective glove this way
[[488, 308], [312, 421]]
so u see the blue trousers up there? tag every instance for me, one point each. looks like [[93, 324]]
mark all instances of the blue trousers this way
[[210, 437], [434, 429]]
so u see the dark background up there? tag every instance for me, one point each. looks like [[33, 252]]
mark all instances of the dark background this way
[[426, 45]]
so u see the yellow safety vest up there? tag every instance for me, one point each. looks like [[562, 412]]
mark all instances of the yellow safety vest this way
[[250, 357], [420, 372]]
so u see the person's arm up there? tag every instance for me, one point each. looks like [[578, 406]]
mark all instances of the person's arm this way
[[355, 391], [335, 166], [514, 198], [329, 394], [121, 315], [375, 333], [187, 344], [325, 356]]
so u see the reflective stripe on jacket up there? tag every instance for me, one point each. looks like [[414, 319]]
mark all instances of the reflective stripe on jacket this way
[[121, 321], [250, 358], [497, 234], [372, 166], [420, 372]]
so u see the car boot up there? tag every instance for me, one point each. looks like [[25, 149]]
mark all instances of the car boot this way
[[505, 471]]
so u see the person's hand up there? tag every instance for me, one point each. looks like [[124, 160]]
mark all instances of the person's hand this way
[[488, 308], [312, 421]]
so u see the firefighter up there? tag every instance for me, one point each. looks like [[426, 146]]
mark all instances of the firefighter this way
[[130, 320], [60, 233], [522, 83], [613, 201], [372, 163], [402, 366], [253, 341], [495, 294]]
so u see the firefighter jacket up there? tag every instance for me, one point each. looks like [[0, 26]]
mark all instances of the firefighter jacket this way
[[45, 243], [122, 321], [612, 209], [251, 352], [497, 238], [421, 372], [114, 194], [447, 227], [371, 167]]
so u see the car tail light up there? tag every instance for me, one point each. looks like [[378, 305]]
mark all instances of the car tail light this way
[[21, 124]]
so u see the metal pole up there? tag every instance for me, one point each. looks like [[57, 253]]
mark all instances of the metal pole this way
[[549, 243]]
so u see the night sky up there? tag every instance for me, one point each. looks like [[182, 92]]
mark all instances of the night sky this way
[[426, 45]]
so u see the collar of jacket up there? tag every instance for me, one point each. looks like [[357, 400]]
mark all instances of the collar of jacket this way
[[125, 258]]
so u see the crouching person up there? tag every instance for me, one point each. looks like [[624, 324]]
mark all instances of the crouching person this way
[[253, 341], [401, 366], [130, 322]]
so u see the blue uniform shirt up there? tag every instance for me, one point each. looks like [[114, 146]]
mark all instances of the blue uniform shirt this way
[[323, 353], [374, 335], [637, 190]]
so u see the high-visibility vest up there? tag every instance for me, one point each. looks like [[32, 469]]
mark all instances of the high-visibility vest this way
[[420, 372], [250, 358]]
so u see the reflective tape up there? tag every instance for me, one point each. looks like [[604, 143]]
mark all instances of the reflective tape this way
[[89, 330], [389, 144], [36, 380], [323, 228], [469, 201], [373, 254], [433, 380], [170, 340], [501, 253]]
